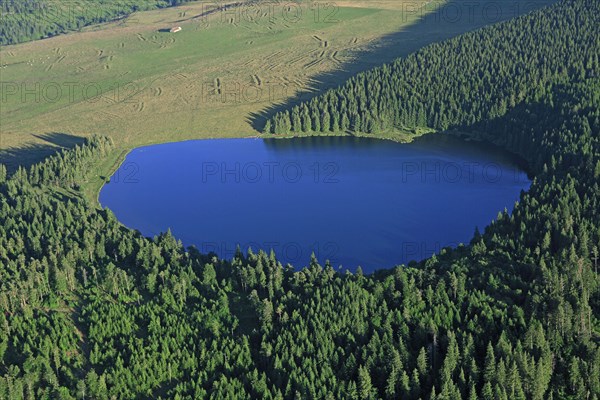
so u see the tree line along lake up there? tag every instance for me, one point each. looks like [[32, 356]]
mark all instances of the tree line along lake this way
[[353, 201]]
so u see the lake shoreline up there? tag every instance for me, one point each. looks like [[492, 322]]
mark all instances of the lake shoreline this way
[[400, 137], [420, 196], [397, 136]]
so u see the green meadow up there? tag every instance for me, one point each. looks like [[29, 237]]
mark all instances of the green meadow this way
[[220, 76]]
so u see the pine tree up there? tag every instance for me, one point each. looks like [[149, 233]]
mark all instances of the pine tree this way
[[364, 385], [489, 372], [487, 393], [268, 128]]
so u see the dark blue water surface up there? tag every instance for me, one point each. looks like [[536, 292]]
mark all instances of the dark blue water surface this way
[[353, 201]]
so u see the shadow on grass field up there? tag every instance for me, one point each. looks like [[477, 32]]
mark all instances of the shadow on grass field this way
[[155, 87], [446, 20], [32, 153]]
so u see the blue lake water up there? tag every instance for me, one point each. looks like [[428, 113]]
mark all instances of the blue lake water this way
[[353, 201]]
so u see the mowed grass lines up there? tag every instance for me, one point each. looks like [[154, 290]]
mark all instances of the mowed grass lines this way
[[136, 82], [140, 84]]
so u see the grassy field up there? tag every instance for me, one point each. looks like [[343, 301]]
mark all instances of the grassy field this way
[[219, 77], [25, 20]]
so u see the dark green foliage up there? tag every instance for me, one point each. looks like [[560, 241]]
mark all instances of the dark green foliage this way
[[474, 77], [25, 20], [90, 309]]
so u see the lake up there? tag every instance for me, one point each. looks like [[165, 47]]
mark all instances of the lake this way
[[353, 201]]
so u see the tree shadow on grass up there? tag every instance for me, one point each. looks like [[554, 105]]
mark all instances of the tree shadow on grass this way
[[31, 153], [444, 21]]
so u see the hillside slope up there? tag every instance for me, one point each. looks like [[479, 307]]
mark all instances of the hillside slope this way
[[91, 309], [25, 20]]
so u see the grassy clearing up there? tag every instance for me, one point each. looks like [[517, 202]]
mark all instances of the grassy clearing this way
[[400, 136], [142, 86], [136, 82]]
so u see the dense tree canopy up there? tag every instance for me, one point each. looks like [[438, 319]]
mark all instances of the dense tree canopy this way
[[24, 20], [90, 309], [457, 83]]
